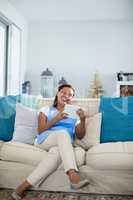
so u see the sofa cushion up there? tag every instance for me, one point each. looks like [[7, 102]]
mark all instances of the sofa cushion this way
[[1, 143], [25, 124], [12, 173], [117, 119], [22, 153], [91, 106], [111, 156], [7, 116], [92, 136]]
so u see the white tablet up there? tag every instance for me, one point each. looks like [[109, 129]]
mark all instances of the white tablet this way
[[71, 111]]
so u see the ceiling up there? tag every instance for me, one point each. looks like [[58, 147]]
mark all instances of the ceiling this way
[[41, 10]]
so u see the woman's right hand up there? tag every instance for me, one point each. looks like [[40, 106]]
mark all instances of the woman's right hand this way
[[44, 124], [60, 116]]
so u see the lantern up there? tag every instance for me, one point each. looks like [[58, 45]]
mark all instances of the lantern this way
[[47, 83], [62, 81]]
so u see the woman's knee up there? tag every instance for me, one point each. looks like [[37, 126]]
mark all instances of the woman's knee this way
[[55, 152], [63, 135]]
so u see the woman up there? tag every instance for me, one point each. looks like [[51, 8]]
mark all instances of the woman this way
[[56, 133]]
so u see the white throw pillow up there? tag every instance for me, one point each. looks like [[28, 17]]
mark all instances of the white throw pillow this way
[[25, 129], [93, 129]]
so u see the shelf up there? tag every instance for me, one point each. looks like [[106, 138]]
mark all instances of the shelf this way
[[125, 82]]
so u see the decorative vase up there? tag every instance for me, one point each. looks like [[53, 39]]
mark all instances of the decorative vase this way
[[47, 83]]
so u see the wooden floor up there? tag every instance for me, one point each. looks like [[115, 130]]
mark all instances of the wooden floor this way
[[37, 195]]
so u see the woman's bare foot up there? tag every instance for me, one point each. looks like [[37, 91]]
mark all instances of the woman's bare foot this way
[[19, 191]]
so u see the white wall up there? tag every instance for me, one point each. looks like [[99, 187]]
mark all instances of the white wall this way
[[75, 49], [10, 13]]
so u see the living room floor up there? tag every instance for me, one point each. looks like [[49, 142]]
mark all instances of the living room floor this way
[[5, 194]]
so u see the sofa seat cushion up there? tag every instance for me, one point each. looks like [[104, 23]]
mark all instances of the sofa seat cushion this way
[[1, 143], [30, 154], [109, 156], [12, 173], [22, 153]]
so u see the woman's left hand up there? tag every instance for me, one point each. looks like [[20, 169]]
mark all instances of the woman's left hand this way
[[81, 114]]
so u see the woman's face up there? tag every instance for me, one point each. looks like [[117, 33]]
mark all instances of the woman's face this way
[[65, 95]]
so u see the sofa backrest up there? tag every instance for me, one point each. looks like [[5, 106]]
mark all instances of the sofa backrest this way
[[91, 106]]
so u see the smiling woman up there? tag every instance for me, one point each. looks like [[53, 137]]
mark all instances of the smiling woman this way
[[56, 134]]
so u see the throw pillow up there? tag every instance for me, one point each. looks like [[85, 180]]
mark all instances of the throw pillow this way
[[92, 136], [25, 124], [117, 119], [7, 116]]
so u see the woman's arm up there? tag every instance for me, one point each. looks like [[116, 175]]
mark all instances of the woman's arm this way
[[44, 124], [80, 128]]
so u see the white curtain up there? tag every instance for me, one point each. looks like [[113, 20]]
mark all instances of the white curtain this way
[[2, 58], [14, 63]]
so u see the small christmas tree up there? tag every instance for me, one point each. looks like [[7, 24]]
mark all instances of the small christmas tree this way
[[96, 89]]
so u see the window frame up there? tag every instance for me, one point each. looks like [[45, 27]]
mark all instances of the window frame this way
[[8, 54], [4, 24]]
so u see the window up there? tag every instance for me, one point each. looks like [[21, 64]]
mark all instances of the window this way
[[13, 73], [3, 57], [10, 56]]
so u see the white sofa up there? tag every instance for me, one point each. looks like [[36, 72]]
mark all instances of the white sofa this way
[[108, 166]]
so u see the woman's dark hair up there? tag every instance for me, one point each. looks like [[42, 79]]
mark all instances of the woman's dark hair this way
[[59, 89]]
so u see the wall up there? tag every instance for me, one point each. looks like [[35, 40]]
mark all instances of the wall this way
[[75, 49], [10, 13]]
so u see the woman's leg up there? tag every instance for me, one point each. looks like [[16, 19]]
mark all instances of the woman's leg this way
[[62, 140], [47, 166]]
